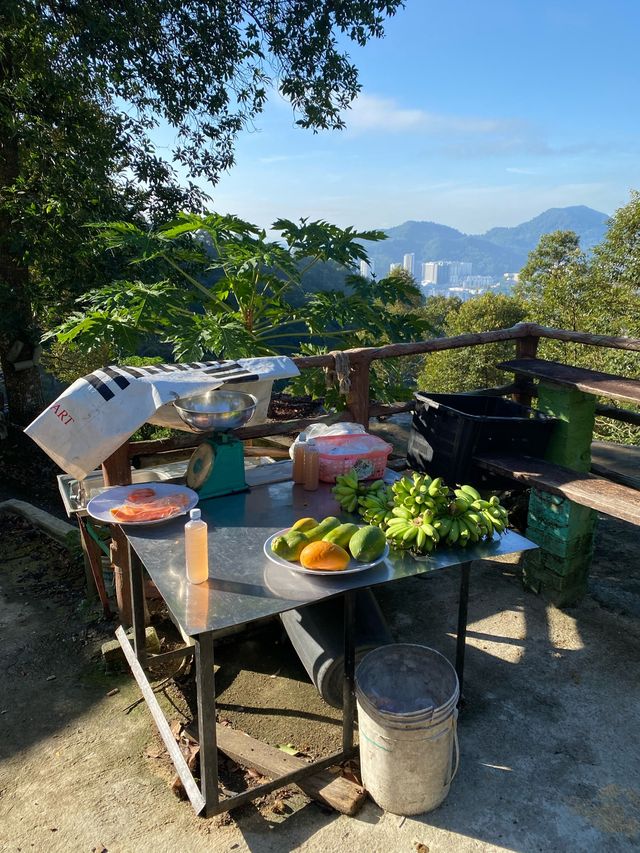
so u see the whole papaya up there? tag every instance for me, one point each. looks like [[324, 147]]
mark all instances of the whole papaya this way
[[322, 529], [324, 556], [290, 545], [367, 544], [341, 535]]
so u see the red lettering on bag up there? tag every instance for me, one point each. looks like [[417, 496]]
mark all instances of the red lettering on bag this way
[[62, 414]]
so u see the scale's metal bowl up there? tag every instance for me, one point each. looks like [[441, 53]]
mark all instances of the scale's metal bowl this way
[[216, 410]]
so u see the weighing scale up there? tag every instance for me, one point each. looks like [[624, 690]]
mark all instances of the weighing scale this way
[[217, 466]]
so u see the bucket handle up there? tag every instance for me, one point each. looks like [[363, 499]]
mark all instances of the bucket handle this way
[[456, 747]]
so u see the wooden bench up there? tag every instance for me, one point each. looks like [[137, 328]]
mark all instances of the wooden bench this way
[[585, 489], [588, 381], [597, 492]]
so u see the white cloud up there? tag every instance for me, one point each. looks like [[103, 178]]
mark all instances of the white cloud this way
[[370, 112], [517, 170]]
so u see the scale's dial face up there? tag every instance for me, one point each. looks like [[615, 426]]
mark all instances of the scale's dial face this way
[[200, 465]]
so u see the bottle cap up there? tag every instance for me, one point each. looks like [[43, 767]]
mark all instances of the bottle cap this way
[[311, 442], [195, 514], [303, 437]]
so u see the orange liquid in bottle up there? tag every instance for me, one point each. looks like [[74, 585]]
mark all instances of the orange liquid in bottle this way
[[196, 547]]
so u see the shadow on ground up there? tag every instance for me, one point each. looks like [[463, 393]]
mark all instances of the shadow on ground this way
[[549, 761]]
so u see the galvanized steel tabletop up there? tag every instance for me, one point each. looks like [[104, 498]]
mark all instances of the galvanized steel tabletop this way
[[243, 584]]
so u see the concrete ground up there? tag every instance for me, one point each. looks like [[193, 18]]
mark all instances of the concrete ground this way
[[548, 735]]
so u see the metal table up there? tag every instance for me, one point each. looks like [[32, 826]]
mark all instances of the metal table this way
[[244, 586]]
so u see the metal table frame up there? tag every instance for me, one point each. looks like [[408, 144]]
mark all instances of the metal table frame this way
[[205, 798]]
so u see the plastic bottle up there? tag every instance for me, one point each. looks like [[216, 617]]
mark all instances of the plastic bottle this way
[[311, 466], [196, 548], [298, 458]]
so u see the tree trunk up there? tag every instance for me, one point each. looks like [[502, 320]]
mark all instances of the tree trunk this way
[[24, 391], [23, 387]]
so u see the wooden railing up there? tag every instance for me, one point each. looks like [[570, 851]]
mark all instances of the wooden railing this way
[[359, 407]]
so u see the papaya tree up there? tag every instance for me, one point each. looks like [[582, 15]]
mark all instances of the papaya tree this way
[[216, 286]]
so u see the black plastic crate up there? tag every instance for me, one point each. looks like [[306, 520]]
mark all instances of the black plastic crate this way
[[448, 430]]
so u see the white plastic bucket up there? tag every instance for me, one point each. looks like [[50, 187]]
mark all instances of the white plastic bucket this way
[[407, 719]]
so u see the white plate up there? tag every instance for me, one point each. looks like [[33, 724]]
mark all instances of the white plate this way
[[100, 507], [353, 567]]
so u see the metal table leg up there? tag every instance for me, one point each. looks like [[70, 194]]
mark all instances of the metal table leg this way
[[137, 608], [348, 684], [205, 686], [463, 601]]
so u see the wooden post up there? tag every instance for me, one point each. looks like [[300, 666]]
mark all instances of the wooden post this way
[[117, 472], [358, 397], [525, 348], [93, 555]]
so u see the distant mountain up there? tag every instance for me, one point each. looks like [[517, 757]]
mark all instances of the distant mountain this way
[[497, 251], [589, 224]]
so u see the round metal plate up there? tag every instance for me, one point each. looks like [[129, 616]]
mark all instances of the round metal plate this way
[[100, 507], [353, 567]]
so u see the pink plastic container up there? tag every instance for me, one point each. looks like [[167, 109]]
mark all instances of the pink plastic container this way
[[338, 454]]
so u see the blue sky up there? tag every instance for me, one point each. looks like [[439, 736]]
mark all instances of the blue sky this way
[[472, 114]]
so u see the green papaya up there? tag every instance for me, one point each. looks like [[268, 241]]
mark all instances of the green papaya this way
[[341, 535], [322, 529], [367, 544], [290, 545]]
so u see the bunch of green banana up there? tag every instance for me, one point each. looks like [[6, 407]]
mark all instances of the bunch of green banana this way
[[408, 531], [471, 518], [347, 491], [376, 503], [421, 495], [354, 495]]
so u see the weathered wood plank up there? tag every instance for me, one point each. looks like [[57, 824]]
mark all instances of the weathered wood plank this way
[[525, 348], [358, 397], [385, 410], [186, 777], [335, 791], [589, 381], [584, 489], [616, 414], [609, 341], [278, 472]]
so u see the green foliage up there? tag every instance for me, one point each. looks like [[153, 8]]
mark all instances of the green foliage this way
[[437, 309], [218, 287], [68, 363], [392, 315], [561, 287], [472, 368], [203, 68], [83, 85]]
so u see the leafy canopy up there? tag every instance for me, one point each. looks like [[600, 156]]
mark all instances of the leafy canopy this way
[[213, 285], [205, 67], [474, 367]]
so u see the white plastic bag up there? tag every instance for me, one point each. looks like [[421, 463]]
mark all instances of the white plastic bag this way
[[318, 430]]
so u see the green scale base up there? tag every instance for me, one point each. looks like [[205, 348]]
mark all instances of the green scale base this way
[[217, 467]]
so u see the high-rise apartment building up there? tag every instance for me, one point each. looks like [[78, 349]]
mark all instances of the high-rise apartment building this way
[[444, 272], [366, 270], [407, 263]]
